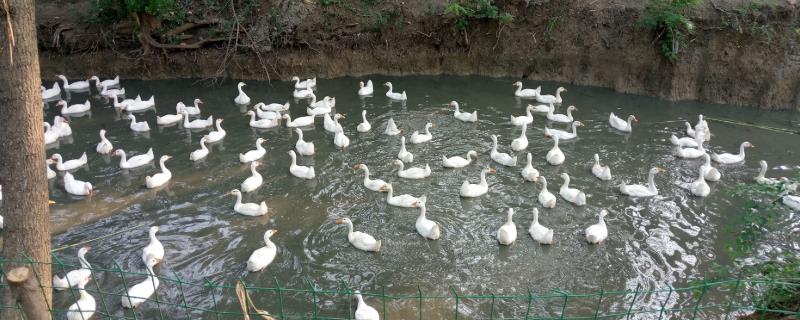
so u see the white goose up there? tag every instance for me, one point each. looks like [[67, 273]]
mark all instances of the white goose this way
[[507, 233], [303, 148], [761, 178], [473, 190], [501, 158], [197, 123], [68, 165], [394, 95], [459, 162], [242, 98], [360, 240], [404, 155], [403, 200], [340, 139], [691, 153], [710, 173], [621, 125], [135, 161], [253, 155], [364, 311], [50, 135], [154, 250], [526, 93], [201, 153], [304, 172], [538, 232], [105, 83], [138, 126], [299, 121], [140, 292], [598, 232], [546, 199], [169, 119], [50, 173], [262, 123], [302, 93], [792, 202], [727, 158], [121, 105], [275, 107], [638, 190], [683, 142], [520, 143], [371, 184], [417, 138], [364, 126], [541, 108], [305, 83], [254, 180], [522, 120], [112, 93], [600, 171], [141, 105], [573, 195], [191, 110], [319, 111], [81, 85], [690, 130], [54, 92], [324, 104], [217, 135], [331, 123], [76, 187], [555, 156], [77, 108], [561, 118], [391, 128], [546, 98], [161, 178], [262, 257], [411, 173], [84, 307], [702, 128], [365, 90], [464, 116], [426, 228], [529, 173], [61, 126], [564, 135], [75, 277], [700, 187]]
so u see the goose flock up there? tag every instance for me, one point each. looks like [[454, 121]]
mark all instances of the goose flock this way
[[263, 115]]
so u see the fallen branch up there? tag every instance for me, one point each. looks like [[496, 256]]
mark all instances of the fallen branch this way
[[145, 37]]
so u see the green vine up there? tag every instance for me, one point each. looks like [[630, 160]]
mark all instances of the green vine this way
[[667, 18]]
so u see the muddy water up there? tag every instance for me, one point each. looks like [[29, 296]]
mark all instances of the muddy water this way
[[652, 242]]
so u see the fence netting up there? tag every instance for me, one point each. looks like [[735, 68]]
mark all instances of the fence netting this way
[[180, 298]]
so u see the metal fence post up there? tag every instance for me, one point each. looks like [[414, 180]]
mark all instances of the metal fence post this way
[[599, 302], [664, 303], [419, 290], [183, 295], [530, 300], [700, 299], [633, 301], [766, 302], [455, 294], [280, 296], [383, 297], [491, 308], [313, 298], [730, 304], [211, 287], [564, 305], [124, 286]]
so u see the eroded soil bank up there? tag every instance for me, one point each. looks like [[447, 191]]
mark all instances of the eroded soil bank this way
[[739, 54]]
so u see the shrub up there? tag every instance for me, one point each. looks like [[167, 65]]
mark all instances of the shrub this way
[[667, 18]]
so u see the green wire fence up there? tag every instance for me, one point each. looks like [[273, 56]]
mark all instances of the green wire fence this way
[[178, 298]]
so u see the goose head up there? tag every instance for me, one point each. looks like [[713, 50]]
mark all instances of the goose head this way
[[240, 85], [632, 118], [518, 83], [386, 188], [561, 89], [295, 78], [343, 221]]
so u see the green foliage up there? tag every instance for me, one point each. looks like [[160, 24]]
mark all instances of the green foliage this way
[[667, 18], [552, 24], [326, 3], [466, 10], [110, 11], [386, 17], [756, 19], [759, 212]]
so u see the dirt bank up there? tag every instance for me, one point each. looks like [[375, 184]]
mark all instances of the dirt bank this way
[[739, 54]]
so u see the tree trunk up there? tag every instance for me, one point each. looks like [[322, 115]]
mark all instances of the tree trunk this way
[[22, 159]]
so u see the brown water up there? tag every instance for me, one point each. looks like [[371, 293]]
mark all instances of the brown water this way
[[653, 242]]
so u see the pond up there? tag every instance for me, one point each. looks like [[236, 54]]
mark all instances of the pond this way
[[653, 242]]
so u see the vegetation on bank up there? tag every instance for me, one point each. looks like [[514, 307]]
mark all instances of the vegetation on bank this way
[[761, 211], [672, 27]]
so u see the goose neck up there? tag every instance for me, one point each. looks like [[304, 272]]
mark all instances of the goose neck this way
[[163, 166], [651, 184]]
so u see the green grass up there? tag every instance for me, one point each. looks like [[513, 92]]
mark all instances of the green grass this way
[[669, 20]]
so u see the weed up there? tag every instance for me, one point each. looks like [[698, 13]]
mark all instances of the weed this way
[[755, 19], [667, 18], [464, 11], [552, 24]]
